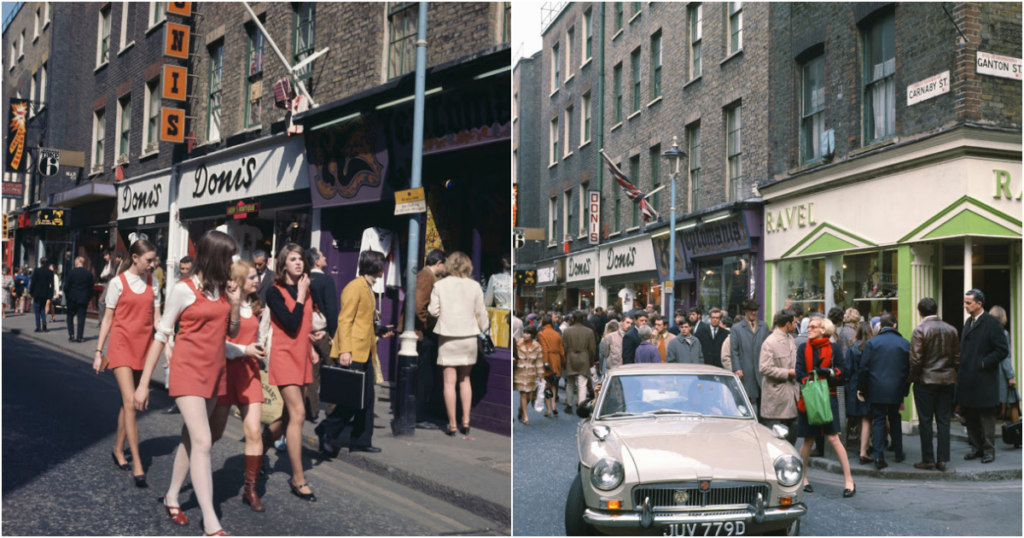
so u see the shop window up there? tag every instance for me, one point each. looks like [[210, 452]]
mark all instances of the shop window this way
[[734, 143], [812, 122], [724, 284], [618, 93], [402, 19], [634, 176], [214, 103], [588, 36], [254, 78], [869, 283], [803, 281], [735, 27], [696, 34], [880, 79], [634, 61], [693, 135], [305, 34]]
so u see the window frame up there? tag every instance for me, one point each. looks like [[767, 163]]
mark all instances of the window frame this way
[[310, 29], [42, 87], [588, 35], [254, 35], [152, 133], [404, 9], [634, 177], [567, 212], [618, 15], [553, 134], [656, 64], [32, 96], [617, 78], [35, 25], [734, 151], [655, 156], [584, 209], [618, 202], [99, 134], [734, 14], [585, 119], [696, 29], [21, 45], [124, 128], [634, 62], [506, 22], [869, 80], [809, 118], [693, 140], [570, 36], [157, 14], [552, 219], [103, 37], [216, 66], [567, 145], [556, 62]]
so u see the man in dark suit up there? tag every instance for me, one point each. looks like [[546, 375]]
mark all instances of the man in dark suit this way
[[631, 340], [41, 290], [78, 291], [426, 347], [266, 276], [325, 297], [712, 337], [598, 322], [884, 367], [678, 319], [982, 347]]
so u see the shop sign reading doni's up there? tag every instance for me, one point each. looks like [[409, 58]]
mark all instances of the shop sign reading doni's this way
[[628, 257], [580, 266], [143, 197], [270, 166]]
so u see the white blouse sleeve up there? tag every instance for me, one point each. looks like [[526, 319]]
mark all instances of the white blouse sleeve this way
[[114, 289], [264, 334], [181, 298], [231, 349]]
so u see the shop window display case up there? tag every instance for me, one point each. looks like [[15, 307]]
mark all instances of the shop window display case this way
[[803, 282], [869, 283]]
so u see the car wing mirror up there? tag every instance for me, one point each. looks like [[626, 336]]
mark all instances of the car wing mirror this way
[[780, 431]]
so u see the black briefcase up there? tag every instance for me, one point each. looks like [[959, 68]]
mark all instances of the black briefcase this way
[[1012, 434], [342, 386]]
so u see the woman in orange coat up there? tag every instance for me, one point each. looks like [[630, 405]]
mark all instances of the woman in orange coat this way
[[132, 311], [554, 356]]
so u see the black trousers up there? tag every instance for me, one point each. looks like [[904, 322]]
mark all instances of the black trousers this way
[[879, 412], [981, 429], [427, 350], [789, 423], [322, 348], [358, 423], [76, 312], [934, 401]]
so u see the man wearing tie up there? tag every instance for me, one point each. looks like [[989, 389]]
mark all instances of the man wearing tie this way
[[982, 347], [259, 259], [713, 338]]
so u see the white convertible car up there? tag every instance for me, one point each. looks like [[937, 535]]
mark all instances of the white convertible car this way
[[675, 450]]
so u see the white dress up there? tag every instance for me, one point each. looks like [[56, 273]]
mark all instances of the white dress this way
[[499, 291]]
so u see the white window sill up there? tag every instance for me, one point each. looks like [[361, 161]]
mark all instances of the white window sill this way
[[586, 62], [21, 56], [614, 234], [584, 144], [45, 26], [731, 56], [146, 155], [566, 156], [654, 102], [633, 115], [616, 126], [552, 245], [633, 229], [617, 34], [552, 165], [692, 80], [874, 145], [101, 66], [582, 236], [155, 26], [34, 39], [553, 92], [125, 48], [252, 129], [96, 173], [635, 17], [568, 79]]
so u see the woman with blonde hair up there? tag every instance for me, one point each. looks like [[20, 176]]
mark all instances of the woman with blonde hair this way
[[245, 389], [458, 304]]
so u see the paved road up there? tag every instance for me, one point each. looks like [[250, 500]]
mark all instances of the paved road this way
[[544, 456], [59, 422]]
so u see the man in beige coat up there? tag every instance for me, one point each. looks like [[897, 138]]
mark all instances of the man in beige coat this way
[[777, 363], [580, 352]]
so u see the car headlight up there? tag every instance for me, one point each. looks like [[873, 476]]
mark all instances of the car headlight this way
[[606, 474], [789, 470]]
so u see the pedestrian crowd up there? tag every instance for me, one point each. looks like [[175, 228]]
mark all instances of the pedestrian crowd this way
[[866, 364]]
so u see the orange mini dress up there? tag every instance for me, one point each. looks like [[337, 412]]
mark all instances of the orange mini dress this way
[[198, 366], [132, 330], [291, 356], [244, 385]]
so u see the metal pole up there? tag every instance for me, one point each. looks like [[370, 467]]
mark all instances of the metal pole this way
[[404, 422], [670, 294]]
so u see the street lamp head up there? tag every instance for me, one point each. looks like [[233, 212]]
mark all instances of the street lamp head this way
[[674, 155]]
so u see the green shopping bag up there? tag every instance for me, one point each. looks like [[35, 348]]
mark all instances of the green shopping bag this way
[[816, 401]]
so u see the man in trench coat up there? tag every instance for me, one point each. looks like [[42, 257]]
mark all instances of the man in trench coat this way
[[982, 347], [746, 339]]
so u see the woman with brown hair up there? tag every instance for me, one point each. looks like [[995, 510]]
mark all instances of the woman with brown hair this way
[[245, 389], [291, 356], [529, 368], [133, 309], [458, 304], [554, 355], [207, 307], [858, 412]]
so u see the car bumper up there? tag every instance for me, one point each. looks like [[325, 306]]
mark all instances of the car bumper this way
[[632, 519]]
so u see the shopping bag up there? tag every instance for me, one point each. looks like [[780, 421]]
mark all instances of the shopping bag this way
[[273, 404], [538, 403], [816, 401]]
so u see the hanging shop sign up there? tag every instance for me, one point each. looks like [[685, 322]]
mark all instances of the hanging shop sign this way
[[14, 153], [581, 266], [13, 189], [627, 257], [267, 166], [175, 82], [928, 88], [715, 238], [183, 9], [662, 253], [144, 196], [594, 225], [999, 66], [243, 209], [7, 232], [172, 125], [176, 41], [49, 162], [410, 201], [550, 274], [49, 217]]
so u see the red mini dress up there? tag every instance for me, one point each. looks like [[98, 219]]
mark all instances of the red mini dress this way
[[244, 385], [132, 330], [198, 366], [291, 356]]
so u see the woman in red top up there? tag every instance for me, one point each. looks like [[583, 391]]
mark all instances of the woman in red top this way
[[245, 389], [132, 312], [291, 356], [206, 306]]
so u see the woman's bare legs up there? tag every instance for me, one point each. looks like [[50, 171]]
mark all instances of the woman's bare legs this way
[[805, 455], [844, 461], [450, 376], [193, 457], [465, 392], [127, 423], [524, 403], [865, 436], [295, 414]]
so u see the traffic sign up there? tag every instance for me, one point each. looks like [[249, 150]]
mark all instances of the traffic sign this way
[[175, 82], [49, 162], [176, 41], [172, 125]]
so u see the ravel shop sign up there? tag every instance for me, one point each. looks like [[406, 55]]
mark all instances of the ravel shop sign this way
[[263, 167], [634, 256], [581, 266], [144, 196], [550, 274]]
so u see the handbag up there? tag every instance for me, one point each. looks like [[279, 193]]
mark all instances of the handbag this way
[[485, 344], [816, 401], [273, 403], [342, 386]]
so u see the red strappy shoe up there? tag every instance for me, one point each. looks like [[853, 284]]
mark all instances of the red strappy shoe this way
[[175, 513], [220, 532]]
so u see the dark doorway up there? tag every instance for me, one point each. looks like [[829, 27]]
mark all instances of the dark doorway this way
[[994, 283]]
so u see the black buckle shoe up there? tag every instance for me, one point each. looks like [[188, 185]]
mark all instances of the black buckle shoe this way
[[304, 496], [368, 448]]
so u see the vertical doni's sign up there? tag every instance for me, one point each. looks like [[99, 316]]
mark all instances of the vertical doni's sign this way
[[594, 218]]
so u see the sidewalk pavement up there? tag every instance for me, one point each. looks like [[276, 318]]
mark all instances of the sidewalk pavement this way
[[1007, 465], [472, 472]]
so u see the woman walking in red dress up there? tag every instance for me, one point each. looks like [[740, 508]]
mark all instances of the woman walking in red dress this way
[[245, 390], [206, 306], [291, 356], [132, 311]]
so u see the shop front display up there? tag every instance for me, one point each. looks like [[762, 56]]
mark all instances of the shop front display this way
[[550, 291], [580, 272], [629, 274]]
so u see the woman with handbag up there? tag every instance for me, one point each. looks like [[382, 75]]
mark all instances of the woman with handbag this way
[[132, 310], [819, 361], [245, 388], [458, 304], [529, 369], [207, 307], [858, 412], [291, 357]]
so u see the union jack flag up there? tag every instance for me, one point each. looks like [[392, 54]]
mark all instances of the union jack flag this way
[[634, 193]]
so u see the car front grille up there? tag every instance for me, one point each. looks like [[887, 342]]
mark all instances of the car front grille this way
[[689, 495]]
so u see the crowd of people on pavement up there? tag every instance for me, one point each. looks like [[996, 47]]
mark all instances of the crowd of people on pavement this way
[[867, 363]]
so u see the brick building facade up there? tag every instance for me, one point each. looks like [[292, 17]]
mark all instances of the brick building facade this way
[[526, 149]]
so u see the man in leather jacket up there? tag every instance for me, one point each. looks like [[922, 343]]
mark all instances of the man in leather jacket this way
[[934, 361]]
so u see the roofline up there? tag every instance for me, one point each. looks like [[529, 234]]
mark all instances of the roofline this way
[[14, 14]]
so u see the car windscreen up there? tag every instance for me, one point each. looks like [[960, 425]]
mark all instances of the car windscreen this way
[[673, 394]]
